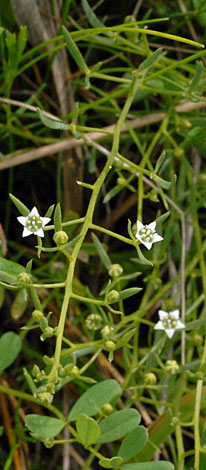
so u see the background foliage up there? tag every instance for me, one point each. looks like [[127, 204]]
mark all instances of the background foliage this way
[[66, 74]]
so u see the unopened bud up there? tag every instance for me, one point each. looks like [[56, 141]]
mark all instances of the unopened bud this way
[[150, 379], [109, 346], [23, 278], [106, 332], [37, 315], [74, 372], [94, 321], [112, 297], [107, 409], [60, 237], [115, 270]]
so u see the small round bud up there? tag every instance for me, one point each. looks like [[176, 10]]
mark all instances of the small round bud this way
[[197, 339], [174, 421], [115, 270], [94, 321], [121, 181], [45, 398], [179, 152], [23, 278], [106, 332], [199, 375], [172, 367], [109, 346], [37, 315], [150, 379], [49, 331], [60, 237], [49, 442], [74, 372], [107, 409], [112, 297], [48, 360], [35, 370]]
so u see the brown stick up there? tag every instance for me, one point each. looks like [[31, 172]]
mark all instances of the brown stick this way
[[70, 143]]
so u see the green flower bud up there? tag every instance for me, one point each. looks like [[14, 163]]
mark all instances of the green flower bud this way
[[107, 409], [48, 360], [106, 332], [172, 366], [197, 339], [174, 421], [94, 321], [45, 398], [49, 442], [121, 181], [35, 370], [23, 278], [109, 346], [179, 152], [60, 237], [199, 375], [112, 297], [74, 372], [150, 379], [115, 270], [37, 315], [43, 323], [49, 332]]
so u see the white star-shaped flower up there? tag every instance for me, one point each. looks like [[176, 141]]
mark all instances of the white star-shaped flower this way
[[147, 235], [169, 322], [33, 223]]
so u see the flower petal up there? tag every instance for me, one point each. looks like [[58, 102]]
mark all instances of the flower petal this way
[[157, 238], [152, 226], [139, 225], [26, 232], [45, 220], [159, 326], [22, 220], [180, 325], [34, 211], [170, 333], [39, 232], [147, 244], [162, 314], [175, 314]]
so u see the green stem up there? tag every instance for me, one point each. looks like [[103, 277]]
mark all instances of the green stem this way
[[196, 424], [86, 225]]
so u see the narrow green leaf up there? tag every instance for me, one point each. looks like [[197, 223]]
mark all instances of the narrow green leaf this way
[[95, 397], [197, 77], [160, 465], [10, 268], [88, 430], [150, 61], [50, 210], [20, 206], [118, 424], [114, 462], [125, 338], [165, 184], [129, 229], [51, 123], [44, 426], [113, 192], [133, 443], [75, 52], [142, 257], [101, 251], [124, 294], [10, 346], [57, 218], [159, 162], [161, 219], [21, 41], [92, 18]]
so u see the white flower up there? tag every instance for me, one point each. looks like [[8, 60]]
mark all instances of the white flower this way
[[146, 234], [169, 322], [33, 223]]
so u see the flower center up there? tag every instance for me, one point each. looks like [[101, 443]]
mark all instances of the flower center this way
[[169, 323], [33, 224], [146, 234]]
